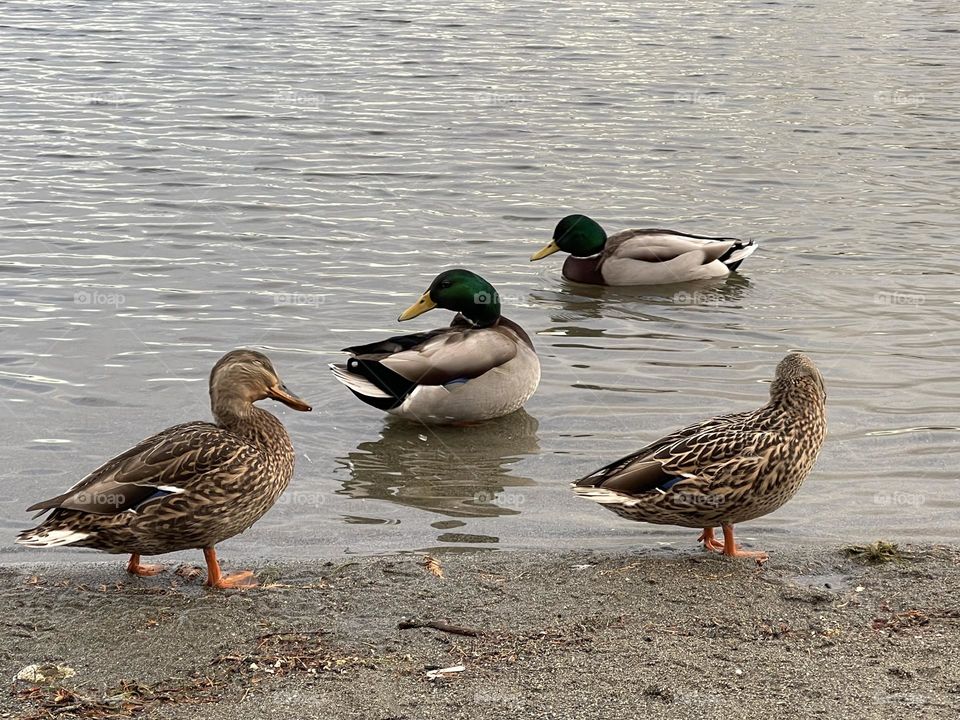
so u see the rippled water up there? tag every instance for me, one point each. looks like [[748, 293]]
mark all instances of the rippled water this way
[[178, 179]]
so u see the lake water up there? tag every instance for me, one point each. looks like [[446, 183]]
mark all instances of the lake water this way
[[179, 179]]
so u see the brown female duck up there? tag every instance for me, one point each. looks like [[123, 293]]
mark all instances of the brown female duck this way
[[725, 470], [189, 486]]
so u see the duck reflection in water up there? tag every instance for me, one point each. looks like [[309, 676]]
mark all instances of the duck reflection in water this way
[[448, 470], [574, 301]]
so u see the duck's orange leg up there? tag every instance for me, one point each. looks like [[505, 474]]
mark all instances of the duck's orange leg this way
[[238, 581], [135, 567], [710, 541], [730, 548]]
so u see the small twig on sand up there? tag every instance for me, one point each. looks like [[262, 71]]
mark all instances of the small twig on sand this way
[[439, 625], [282, 633]]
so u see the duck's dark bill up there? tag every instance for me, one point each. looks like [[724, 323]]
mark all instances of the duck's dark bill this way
[[281, 393]]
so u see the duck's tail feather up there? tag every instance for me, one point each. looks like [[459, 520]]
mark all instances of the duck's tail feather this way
[[50, 537], [739, 251], [605, 497], [373, 383]]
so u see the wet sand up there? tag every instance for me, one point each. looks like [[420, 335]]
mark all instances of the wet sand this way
[[659, 633]]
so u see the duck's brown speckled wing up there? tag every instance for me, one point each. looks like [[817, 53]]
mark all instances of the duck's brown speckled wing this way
[[162, 465], [653, 465]]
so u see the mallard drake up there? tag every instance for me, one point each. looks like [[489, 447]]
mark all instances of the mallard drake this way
[[480, 367], [725, 470], [189, 486], [641, 257]]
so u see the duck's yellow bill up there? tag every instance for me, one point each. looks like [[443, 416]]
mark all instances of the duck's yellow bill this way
[[543, 252], [418, 308]]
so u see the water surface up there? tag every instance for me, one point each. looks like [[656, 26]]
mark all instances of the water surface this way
[[179, 179]]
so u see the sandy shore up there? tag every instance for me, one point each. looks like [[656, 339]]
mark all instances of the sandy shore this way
[[653, 634]]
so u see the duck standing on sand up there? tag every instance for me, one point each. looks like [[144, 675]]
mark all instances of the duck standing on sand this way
[[725, 470], [641, 257], [482, 366], [189, 486]]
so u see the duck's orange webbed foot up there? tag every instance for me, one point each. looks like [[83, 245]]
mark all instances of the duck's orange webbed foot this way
[[215, 579], [237, 581], [135, 567], [710, 541], [730, 548]]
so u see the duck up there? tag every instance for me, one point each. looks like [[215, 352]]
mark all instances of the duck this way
[[482, 366], [650, 256], [190, 486], [726, 470]]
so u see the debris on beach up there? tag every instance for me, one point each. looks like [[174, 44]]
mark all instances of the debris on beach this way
[[445, 673], [125, 700], [189, 572], [283, 653], [45, 673], [433, 566], [875, 553], [902, 620], [499, 648], [774, 631], [439, 625]]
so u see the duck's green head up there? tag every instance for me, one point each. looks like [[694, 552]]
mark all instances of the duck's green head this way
[[460, 291], [578, 235]]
